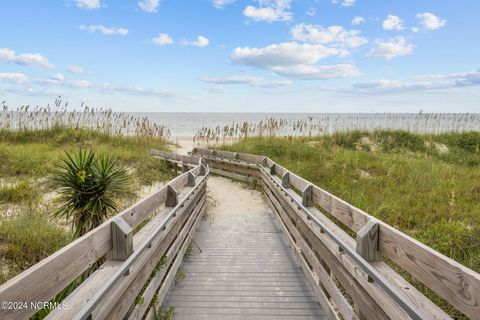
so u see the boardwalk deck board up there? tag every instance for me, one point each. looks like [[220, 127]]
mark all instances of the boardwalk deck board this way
[[246, 269]]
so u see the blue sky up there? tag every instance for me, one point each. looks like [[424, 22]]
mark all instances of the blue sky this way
[[243, 55]]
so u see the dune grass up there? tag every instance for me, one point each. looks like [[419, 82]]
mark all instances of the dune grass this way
[[428, 186], [27, 232]]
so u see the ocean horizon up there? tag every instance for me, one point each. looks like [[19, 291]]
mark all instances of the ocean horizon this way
[[186, 124]]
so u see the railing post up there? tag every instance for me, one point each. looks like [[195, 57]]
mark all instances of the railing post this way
[[264, 161], [184, 167], [367, 242], [172, 197], [307, 199], [122, 240], [272, 169], [203, 168], [286, 180], [191, 180]]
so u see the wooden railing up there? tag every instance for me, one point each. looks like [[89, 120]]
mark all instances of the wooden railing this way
[[352, 278], [123, 268]]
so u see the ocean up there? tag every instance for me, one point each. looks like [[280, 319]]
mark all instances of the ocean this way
[[239, 124], [189, 124]]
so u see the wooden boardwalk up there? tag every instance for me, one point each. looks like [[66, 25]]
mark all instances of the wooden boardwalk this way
[[246, 269]]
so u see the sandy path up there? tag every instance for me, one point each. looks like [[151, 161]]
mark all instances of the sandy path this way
[[219, 189]]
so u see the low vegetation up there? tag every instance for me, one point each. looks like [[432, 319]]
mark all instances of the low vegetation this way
[[28, 160], [428, 186]]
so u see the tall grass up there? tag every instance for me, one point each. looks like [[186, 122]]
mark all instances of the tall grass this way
[[96, 119], [432, 123]]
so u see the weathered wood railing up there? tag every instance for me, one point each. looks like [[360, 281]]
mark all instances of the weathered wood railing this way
[[351, 277], [137, 254]]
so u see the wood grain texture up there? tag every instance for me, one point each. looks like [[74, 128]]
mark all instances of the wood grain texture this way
[[367, 242], [154, 284], [122, 240], [319, 272], [48, 277], [142, 268], [245, 270]]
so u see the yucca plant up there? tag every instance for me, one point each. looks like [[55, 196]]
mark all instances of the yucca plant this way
[[87, 186]]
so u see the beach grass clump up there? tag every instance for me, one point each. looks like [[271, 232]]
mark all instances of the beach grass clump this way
[[22, 191], [27, 238]]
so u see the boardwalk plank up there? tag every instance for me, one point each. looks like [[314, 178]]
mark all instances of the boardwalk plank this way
[[246, 269]]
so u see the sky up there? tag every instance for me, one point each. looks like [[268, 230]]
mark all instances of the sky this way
[[242, 55]]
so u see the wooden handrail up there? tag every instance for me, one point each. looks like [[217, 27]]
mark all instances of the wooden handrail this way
[[124, 269], [457, 284]]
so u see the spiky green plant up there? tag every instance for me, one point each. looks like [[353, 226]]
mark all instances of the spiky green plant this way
[[87, 186]]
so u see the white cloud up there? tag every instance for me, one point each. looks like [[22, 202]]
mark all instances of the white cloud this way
[[395, 47], [200, 42], [232, 80], [421, 83], [293, 59], [220, 4], [251, 81], [269, 11], [28, 59], [58, 77], [217, 90], [393, 23], [311, 12], [107, 88], [345, 3], [431, 21], [415, 29], [75, 69], [162, 39], [335, 35], [287, 53], [88, 4], [80, 84], [317, 72], [13, 77], [111, 31], [358, 20], [149, 5]]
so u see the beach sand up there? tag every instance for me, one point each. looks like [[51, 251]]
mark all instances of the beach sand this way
[[219, 188]]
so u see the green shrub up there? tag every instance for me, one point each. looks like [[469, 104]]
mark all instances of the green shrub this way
[[87, 185]]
